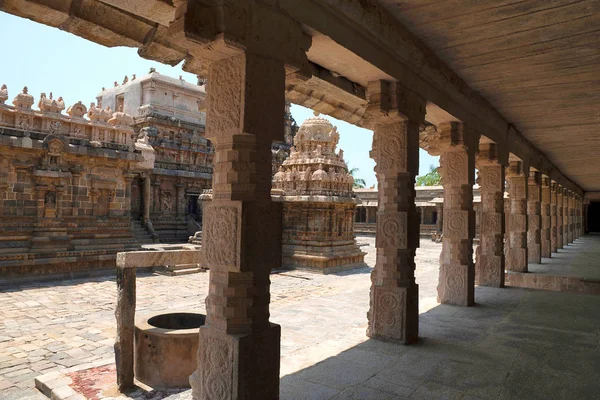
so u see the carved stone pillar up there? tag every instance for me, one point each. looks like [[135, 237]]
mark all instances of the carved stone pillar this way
[[128, 177], [517, 175], [578, 218], [560, 229], [394, 297], [571, 216], [180, 196], [147, 199], [239, 348], [534, 197], [489, 266], [545, 235], [458, 148], [553, 218], [566, 217], [440, 217], [156, 195]]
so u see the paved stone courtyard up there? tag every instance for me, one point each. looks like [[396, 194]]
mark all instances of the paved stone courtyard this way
[[50, 325]]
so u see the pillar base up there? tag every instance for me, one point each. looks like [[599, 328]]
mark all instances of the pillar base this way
[[457, 285], [490, 271], [237, 366], [394, 314]]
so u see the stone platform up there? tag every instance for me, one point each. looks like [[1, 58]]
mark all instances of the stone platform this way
[[573, 268]]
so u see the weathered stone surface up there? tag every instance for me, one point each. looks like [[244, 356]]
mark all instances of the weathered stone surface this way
[[553, 218]]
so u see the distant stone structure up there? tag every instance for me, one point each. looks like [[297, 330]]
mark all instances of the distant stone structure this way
[[168, 113], [65, 185], [318, 206]]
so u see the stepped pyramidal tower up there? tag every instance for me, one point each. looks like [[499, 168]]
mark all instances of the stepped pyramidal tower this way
[[318, 204]]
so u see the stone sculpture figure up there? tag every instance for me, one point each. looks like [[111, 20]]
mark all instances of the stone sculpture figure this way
[[3, 94]]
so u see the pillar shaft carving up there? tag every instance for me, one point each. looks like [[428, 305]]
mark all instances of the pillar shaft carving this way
[[517, 176], [571, 216], [553, 217], [394, 297], [246, 62], [545, 234], [489, 266], [534, 223], [560, 229], [457, 148]]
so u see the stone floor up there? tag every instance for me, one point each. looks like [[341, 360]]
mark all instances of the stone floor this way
[[578, 259], [516, 343]]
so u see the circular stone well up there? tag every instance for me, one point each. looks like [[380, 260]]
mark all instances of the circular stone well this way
[[165, 349]]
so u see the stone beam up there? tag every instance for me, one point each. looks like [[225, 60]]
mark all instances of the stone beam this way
[[327, 93], [137, 259]]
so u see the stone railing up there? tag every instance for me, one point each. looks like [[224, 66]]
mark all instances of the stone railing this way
[[127, 263], [104, 128]]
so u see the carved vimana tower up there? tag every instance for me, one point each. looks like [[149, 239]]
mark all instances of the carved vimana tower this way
[[318, 205]]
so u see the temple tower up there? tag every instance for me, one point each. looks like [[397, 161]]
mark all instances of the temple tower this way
[[318, 205]]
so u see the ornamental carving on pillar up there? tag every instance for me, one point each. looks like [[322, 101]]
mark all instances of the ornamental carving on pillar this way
[[217, 359], [220, 236], [389, 314], [391, 230]]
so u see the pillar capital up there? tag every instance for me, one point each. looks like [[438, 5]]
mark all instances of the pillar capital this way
[[446, 136], [488, 155], [517, 169], [389, 103], [534, 178], [215, 30]]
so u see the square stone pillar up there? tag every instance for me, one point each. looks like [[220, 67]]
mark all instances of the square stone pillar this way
[[578, 218], [517, 176], [569, 217], [553, 217], [394, 297], [245, 56], [560, 229], [545, 234], [456, 284], [489, 266], [534, 197]]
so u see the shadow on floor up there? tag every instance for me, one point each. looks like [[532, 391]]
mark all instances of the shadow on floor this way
[[515, 344]]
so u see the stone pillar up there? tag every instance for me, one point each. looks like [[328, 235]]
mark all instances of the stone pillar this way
[[534, 251], [569, 217], [440, 217], [125, 316], [456, 284], [180, 195], [517, 175], [394, 297], [489, 266], [146, 199], [247, 58], [129, 177], [559, 217], [545, 212], [586, 207], [578, 217], [422, 214], [553, 218]]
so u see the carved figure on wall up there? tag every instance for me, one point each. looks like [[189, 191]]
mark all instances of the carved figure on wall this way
[[167, 205]]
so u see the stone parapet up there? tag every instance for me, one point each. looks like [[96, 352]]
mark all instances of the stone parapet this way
[[103, 129]]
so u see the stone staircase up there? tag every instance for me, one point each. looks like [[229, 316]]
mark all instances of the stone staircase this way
[[171, 231], [176, 270], [140, 233]]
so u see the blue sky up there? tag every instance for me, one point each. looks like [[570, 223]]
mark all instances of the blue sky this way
[[47, 60]]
